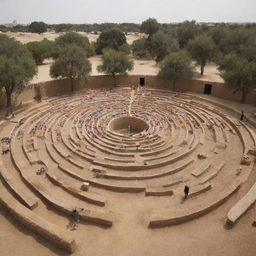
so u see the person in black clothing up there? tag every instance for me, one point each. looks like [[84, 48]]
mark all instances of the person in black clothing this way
[[242, 116], [186, 191], [76, 218]]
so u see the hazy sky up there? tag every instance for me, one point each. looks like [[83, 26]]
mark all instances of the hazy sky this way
[[98, 11]]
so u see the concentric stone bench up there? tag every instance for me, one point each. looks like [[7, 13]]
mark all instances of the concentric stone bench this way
[[201, 170], [175, 181], [132, 188], [58, 236], [144, 176], [212, 174], [158, 191], [184, 214], [241, 207], [29, 200], [102, 218], [198, 189], [88, 197]]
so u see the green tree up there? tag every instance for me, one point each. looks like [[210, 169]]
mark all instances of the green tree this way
[[248, 51], [125, 48], [20, 28], [231, 40], [238, 73], [4, 29], [40, 50], [202, 49], [113, 38], [150, 27], [139, 48], [218, 33], [162, 44], [176, 66], [37, 27], [71, 63], [62, 27], [75, 39], [114, 62], [186, 31], [17, 67]]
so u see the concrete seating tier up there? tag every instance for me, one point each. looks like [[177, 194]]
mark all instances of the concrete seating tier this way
[[196, 190], [178, 216], [29, 200], [67, 185], [158, 191], [158, 174], [73, 139], [102, 218], [37, 224], [241, 206]]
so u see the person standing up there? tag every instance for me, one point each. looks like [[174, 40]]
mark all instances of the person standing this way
[[75, 218], [186, 191], [242, 116]]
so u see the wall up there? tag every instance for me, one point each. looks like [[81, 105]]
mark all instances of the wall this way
[[62, 86], [27, 94]]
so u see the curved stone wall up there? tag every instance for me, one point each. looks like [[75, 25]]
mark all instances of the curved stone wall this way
[[62, 86]]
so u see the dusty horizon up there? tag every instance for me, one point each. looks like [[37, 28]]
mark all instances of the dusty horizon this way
[[121, 11]]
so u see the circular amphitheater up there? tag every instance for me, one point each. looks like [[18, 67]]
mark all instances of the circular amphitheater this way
[[124, 156]]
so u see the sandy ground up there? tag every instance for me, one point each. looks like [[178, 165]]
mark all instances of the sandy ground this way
[[141, 67]]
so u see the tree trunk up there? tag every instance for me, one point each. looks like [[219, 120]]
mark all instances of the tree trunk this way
[[72, 84], [114, 79], [202, 69], [8, 99], [244, 94]]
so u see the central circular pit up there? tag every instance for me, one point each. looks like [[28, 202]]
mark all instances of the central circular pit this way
[[128, 125]]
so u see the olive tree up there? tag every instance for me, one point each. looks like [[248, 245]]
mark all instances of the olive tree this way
[[75, 39], [176, 66], [40, 50], [162, 44], [186, 31], [139, 48], [238, 73], [71, 63], [150, 27], [17, 67], [114, 62], [202, 50], [229, 39], [37, 27], [112, 38]]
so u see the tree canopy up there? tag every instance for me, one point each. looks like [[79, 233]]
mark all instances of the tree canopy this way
[[113, 38], [150, 26], [71, 63], [75, 39], [176, 66], [37, 27], [230, 40], [239, 73], [17, 66], [40, 50], [161, 44], [202, 49], [139, 48], [186, 31], [114, 62]]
